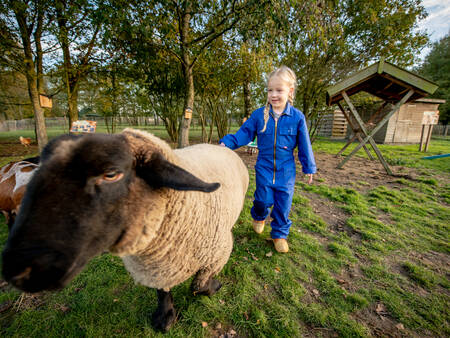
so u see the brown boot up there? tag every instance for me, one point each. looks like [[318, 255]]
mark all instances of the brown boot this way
[[258, 226], [281, 245]]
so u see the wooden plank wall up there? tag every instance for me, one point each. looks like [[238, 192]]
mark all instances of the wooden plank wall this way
[[339, 130], [405, 126], [333, 125]]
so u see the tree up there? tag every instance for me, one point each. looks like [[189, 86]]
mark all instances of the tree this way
[[78, 25], [185, 29], [18, 35], [323, 41], [436, 67]]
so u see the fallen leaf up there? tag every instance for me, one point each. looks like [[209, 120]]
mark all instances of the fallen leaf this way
[[269, 254], [221, 301], [316, 292], [266, 286], [3, 283], [380, 309], [64, 308], [232, 332], [257, 322], [115, 300], [341, 281], [246, 315], [218, 326], [400, 326], [245, 258], [204, 324], [254, 257], [277, 269]]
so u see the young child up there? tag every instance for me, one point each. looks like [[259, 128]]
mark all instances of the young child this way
[[280, 128]]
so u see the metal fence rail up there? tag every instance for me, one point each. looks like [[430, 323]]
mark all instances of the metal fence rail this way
[[28, 124]]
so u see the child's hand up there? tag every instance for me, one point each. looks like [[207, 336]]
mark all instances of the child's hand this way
[[310, 178]]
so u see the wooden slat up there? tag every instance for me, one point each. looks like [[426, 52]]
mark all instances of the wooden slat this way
[[374, 131]]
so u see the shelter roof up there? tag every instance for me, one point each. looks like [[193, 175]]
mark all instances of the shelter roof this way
[[384, 80]]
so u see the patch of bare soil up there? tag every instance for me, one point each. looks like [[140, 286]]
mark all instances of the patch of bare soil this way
[[15, 148], [381, 324], [358, 173]]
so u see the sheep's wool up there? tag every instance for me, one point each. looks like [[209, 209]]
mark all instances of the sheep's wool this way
[[179, 233]]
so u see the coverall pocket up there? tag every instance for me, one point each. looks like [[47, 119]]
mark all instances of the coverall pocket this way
[[288, 138], [266, 138]]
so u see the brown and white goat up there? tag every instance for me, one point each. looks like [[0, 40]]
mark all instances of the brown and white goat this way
[[13, 180]]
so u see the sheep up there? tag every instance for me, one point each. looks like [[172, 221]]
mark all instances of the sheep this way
[[13, 180], [131, 194]]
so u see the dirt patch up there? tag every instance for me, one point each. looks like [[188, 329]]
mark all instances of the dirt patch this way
[[12, 149], [335, 217], [381, 324]]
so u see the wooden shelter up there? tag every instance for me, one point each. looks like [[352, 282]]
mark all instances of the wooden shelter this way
[[386, 81], [405, 126], [333, 124]]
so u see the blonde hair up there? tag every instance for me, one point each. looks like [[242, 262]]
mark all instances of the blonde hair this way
[[288, 76]]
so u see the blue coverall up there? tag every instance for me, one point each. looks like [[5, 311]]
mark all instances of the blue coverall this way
[[275, 166]]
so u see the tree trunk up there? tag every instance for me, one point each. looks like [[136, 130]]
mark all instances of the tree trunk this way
[[72, 103], [31, 76], [183, 139], [40, 129], [247, 99], [70, 78]]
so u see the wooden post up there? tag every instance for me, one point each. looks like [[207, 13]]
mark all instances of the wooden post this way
[[356, 134], [430, 129], [374, 131], [421, 137], [368, 136]]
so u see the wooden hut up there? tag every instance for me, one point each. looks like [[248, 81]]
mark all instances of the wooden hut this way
[[392, 84], [405, 126]]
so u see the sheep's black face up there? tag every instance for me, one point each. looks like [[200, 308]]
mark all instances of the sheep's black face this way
[[71, 211]]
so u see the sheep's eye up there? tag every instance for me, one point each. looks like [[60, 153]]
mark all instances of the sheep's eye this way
[[112, 176]]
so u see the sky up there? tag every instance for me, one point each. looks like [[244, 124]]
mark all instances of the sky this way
[[437, 24]]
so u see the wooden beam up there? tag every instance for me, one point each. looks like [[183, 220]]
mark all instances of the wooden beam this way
[[364, 130], [374, 131], [430, 130], [388, 85], [356, 131]]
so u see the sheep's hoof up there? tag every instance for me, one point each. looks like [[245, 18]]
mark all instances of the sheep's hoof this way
[[163, 319], [209, 289]]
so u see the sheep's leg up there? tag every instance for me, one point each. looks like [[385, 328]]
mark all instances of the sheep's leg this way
[[164, 316], [204, 286], [204, 283]]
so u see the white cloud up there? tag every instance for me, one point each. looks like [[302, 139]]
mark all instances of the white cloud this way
[[437, 23]]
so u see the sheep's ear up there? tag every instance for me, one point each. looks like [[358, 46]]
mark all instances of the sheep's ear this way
[[158, 173]]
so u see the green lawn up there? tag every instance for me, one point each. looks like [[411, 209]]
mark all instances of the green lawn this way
[[384, 272]]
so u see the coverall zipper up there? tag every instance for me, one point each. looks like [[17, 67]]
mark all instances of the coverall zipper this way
[[275, 151]]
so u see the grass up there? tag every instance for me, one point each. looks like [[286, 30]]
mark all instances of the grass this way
[[392, 249], [403, 155]]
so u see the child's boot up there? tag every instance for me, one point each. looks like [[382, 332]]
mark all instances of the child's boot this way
[[281, 245], [258, 226]]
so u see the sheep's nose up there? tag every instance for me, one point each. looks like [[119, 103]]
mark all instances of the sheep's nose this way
[[34, 270], [20, 279]]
